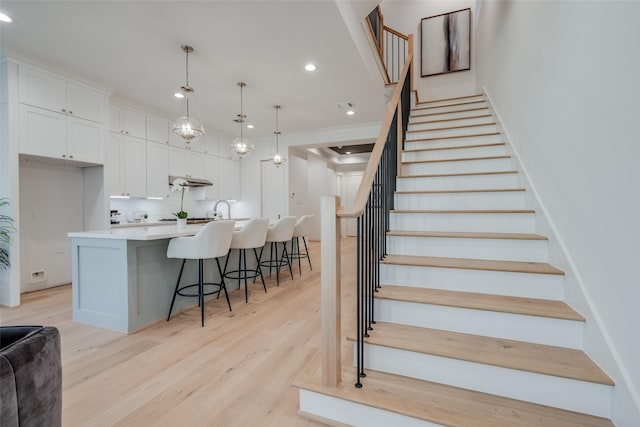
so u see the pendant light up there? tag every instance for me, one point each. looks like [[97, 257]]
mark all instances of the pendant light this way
[[241, 145], [187, 127], [276, 157]]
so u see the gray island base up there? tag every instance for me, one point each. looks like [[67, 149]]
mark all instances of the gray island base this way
[[122, 279]]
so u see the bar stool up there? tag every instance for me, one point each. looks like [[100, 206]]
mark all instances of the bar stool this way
[[251, 236], [280, 232], [212, 241], [302, 229]]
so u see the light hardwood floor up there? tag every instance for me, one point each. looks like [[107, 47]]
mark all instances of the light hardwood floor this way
[[236, 371]]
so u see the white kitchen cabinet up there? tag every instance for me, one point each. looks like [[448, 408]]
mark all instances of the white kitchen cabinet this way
[[51, 134], [186, 163], [126, 166], [157, 129], [127, 121], [211, 144], [41, 89], [157, 169], [212, 173], [229, 179]]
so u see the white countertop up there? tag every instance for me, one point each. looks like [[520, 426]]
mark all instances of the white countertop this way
[[154, 232]]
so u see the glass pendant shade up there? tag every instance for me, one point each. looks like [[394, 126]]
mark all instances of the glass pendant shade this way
[[276, 156], [187, 127], [241, 146]]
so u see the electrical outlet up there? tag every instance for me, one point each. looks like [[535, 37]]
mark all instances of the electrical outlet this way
[[38, 276]]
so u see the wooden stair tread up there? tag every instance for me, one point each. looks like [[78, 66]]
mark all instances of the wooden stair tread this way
[[448, 99], [467, 235], [519, 355], [457, 147], [453, 104], [458, 159], [439, 175], [473, 264], [466, 110], [454, 127], [454, 137], [460, 211], [481, 116], [444, 404], [477, 301], [488, 190]]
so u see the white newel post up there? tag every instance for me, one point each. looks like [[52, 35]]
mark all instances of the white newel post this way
[[330, 291]]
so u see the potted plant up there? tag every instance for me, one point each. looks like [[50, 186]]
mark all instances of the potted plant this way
[[180, 184], [6, 228]]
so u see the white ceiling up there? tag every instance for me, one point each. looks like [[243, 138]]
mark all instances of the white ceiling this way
[[132, 48]]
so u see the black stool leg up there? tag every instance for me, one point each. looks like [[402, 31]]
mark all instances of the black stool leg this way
[[260, 268], [201, 289], [222, 284], [307, 251], [296, 241], [175, 292], [286, 254]]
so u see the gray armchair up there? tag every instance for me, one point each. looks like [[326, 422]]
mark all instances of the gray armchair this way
[[30, 376]]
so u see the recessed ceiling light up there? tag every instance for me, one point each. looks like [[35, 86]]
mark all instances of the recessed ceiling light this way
[[249, 126], [350, 113], [5, 18], [179, 95], [347, 152], [310, 67]]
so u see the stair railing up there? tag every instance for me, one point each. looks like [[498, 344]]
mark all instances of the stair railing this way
[[393, 47], [373, 202]]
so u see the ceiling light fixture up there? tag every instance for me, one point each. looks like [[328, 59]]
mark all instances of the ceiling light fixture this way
[[241, 146], [179, 95], [187, 127], [276, 157], [310, 67], [249, 126], [5, 18], [350, 113]]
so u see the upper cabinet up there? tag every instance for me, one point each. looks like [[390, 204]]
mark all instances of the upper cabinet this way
[[127, 121], [60, 118], [44, 90], [157, 129]]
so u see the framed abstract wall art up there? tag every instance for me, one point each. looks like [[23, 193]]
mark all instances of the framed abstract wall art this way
[[445, 42]]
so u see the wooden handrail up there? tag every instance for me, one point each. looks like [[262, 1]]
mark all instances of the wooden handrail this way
[[394, 32], [357, 208]]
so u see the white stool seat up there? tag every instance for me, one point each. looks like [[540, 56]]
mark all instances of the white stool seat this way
[[251, 236], [280, 232], [211, 242], [303, 228]]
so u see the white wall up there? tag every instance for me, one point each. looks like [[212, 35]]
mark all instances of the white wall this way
[[564, 78], [405, 16]]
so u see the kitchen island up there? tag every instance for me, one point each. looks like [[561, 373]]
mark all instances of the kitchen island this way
[[122, 279]]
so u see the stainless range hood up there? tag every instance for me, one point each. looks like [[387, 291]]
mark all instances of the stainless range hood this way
[[191, 182]]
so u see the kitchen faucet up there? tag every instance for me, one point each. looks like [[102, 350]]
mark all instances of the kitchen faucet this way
[[215, 207]]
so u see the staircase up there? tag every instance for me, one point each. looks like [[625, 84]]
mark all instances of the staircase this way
[[471, 327]]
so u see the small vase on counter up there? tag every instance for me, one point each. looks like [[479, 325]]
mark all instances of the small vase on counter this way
[[182, 223]]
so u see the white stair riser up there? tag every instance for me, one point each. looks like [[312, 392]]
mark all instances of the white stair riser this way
[[483, 200], [437, 103], [535, 329], [481, 222], [548, 390], [427, 124], [454, 153], [354, 414], [449, 108], [422, 116], [470, 182], [453, 142], [442, 133], [461, 166], [489, 249], [545, 286]]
